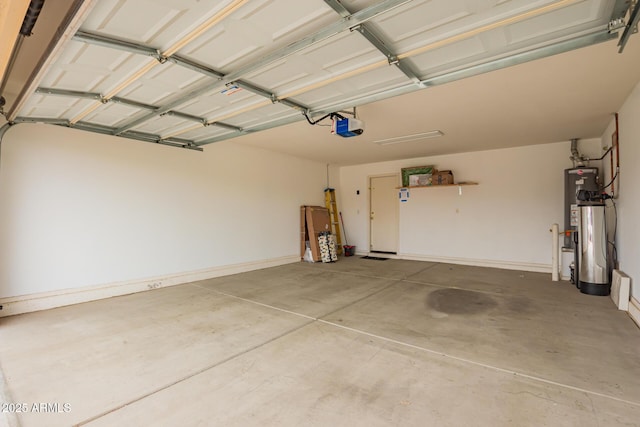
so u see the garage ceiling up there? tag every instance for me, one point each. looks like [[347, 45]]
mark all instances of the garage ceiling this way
[[189, 73]]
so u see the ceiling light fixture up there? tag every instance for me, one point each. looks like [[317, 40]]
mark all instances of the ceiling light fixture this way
[[410, 138]]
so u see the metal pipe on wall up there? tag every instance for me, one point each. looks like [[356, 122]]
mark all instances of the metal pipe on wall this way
[[577, 159], [555, 250], [617, 143]]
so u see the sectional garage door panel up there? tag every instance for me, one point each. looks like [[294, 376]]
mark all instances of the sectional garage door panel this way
[[190, 72]]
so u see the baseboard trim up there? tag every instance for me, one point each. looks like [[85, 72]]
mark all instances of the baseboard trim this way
[[506, 265], [634, 310], [47, 300]]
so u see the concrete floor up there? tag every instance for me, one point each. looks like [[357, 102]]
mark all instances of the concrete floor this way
[[354, 343]]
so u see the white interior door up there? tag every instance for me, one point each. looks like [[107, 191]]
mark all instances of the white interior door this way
[[384, 214]]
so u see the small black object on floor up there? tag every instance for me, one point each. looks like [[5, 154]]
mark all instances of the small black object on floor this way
[[375, 258]]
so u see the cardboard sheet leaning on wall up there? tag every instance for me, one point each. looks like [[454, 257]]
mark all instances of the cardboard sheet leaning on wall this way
[[313, 221]]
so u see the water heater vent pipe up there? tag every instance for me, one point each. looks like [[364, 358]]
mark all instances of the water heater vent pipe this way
[[576, 157]]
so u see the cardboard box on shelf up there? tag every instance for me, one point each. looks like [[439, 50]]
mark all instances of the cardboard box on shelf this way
[[420, 179], [415, 170], [442, 177]]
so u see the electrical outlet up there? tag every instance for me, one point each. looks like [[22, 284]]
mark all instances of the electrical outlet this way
[[154, 285]]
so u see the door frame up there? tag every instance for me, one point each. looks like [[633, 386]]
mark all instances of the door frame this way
[[397, 226]]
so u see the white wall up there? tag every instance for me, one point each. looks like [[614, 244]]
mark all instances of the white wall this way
[[80, 209], [628, 201], [503, 222]]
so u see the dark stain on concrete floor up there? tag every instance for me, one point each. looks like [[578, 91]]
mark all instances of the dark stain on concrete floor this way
[[459, 301]]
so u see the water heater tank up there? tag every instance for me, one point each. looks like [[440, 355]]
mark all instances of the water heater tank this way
[[592, 253]]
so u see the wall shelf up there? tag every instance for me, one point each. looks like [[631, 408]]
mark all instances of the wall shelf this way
[[460, 184]]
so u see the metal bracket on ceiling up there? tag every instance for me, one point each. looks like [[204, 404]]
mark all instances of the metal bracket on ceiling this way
[[352, 113], [113, 43], [225, 126], [192, 146], [632, 25], [616, 24], [46, 120], [338, 7], [185, 116], [195, 66], [266, 94], [95, 96], [132, 103], [106, 130], [171, 142], [100, 40], [376, 41], [253, 89], [69, 93], [203, 121]]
